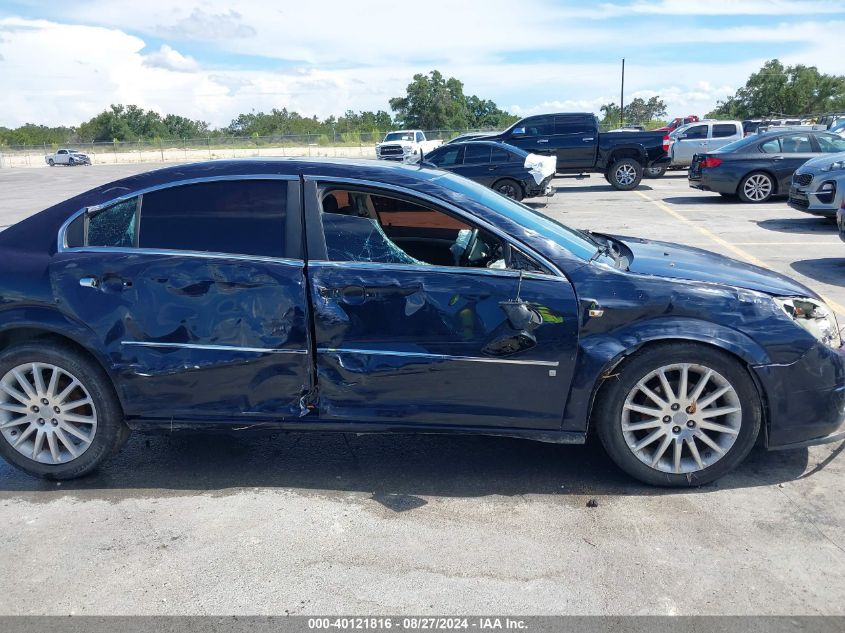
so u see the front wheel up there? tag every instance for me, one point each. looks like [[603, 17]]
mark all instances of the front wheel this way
[[509, 188], [51, 162], [757, 187], [654, 172], [59, 415], [679, 416], [625, 174]]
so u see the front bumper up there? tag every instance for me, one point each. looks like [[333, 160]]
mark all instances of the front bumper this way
[[821, 204], [532, 189], [805, 399]]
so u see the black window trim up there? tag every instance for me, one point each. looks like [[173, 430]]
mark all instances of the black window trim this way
[[62, 246], [315, 183]]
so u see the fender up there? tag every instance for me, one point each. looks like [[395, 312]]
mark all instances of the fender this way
[[606, 154], [600, 353], [54, 321]]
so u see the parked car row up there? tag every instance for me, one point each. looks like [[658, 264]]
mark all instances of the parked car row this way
[[758, 167], [573, 140]]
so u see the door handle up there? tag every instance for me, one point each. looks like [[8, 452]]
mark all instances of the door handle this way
[[542, 140], [89, 282], [777, 157], [587, 139], [492, 168]]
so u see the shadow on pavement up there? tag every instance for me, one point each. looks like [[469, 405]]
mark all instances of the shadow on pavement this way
[[799, 225], [394, 469], [597, 187], [830, 270]]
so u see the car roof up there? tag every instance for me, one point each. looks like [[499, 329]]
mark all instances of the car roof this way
[[511, 148]]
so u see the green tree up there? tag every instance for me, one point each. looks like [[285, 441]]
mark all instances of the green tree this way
[[785, 90], [637, 112], [431, 103]]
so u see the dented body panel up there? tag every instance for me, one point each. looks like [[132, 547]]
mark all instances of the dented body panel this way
[[211, 341]]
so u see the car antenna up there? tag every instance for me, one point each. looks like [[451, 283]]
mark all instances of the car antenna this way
[[422, 158]]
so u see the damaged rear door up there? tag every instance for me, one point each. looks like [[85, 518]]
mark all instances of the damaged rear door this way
[[423, 318], [196, 293]]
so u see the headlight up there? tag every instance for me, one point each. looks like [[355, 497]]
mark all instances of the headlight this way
[[814, 316], [836, 166]]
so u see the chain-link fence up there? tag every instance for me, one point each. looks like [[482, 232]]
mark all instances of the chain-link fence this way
[[335, 144]]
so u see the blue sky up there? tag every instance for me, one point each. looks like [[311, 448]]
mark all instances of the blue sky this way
[[60, 63]]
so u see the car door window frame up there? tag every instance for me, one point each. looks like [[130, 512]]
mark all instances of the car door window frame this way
[[294, 249], [316, 244]]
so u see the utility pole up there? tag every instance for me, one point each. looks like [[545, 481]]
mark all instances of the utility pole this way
[[622, 98]]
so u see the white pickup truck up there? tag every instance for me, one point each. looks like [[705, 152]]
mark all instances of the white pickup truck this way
[[67, 157], [404, 145]]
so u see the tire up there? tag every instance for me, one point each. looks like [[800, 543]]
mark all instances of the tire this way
[[625, 174], [51, 162], [510, 188], [756, 187], [47, 438], [699, 463], [71, 162], [654, 172]]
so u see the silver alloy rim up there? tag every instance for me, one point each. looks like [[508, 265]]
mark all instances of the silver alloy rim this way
[[626, 174], [757, 187], [46, 413], [653, 171], [681, 418]]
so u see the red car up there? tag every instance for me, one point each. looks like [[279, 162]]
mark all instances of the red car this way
[[678, 122]]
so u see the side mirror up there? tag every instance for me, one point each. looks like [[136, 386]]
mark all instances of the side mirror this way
[[518, 131]]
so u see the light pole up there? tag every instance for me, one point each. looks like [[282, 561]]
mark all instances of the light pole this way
[[622, 98]]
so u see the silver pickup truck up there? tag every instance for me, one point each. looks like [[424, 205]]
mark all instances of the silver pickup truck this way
[[67, 157]]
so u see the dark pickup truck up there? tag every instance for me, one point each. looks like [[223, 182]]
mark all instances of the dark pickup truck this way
[[579, 146]]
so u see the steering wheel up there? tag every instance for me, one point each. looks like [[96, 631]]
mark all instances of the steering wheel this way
[[464, 258]]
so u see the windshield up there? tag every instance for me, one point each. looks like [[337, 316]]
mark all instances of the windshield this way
[[576, 242], [399, 136]]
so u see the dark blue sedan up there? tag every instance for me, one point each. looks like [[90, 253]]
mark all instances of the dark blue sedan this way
[[509, 170], [364, 297]]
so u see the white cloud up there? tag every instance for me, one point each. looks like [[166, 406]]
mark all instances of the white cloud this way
[[170, 59], [729, 7], [201, 25], [358, 58]]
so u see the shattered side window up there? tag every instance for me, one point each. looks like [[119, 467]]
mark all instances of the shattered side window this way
[[114, 226], [354, 234], [366, 227]]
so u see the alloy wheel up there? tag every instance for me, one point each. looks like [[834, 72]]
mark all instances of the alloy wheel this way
[[626, 174], [681, 418], [757, 187], [507, 189], [46, 413]]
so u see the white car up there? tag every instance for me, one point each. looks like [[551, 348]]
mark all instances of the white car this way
[[405, 145], [67, 157], [698, 138]]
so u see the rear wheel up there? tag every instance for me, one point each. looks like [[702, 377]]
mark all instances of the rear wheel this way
[[59, 415], [509, 188], [679, 416], [625, 174], [756, 187], [654, 172]]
